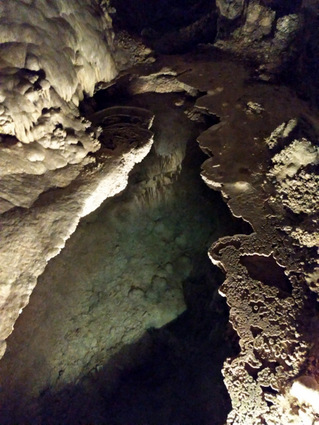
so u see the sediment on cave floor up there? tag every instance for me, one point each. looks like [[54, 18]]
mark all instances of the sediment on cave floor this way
[[126, 324]]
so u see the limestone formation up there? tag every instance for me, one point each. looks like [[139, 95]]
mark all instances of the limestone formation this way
[[58, 164], [266, 285], [30, 237], [52, 52], [230, 9]]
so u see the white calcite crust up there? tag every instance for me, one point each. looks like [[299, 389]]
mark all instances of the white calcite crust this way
[[52, 52]]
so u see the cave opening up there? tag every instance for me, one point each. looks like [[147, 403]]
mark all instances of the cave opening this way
[[166, 26], [126, 325], [153, 19]]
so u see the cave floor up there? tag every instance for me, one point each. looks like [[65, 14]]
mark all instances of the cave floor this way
[[126, 326]]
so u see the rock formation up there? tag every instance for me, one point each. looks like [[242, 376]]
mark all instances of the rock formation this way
[[58, 165], [52, 53]]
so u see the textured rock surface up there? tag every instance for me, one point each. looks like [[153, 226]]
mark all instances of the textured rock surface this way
[[51, 53], [262, 35], [263, 158], [230, 9], [268, 272], [31, 237], [124, 271]]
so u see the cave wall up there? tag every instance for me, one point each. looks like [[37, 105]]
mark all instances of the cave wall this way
[[53, 169], [52, 53], [120, 277], [278, 37], [263, 157]]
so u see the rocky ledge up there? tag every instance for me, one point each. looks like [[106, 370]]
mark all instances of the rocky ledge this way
[[30, 237], [263, 158]]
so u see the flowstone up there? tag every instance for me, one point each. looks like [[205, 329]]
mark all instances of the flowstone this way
[[272, 317], [51, 53], [128, 268], [55, 168]]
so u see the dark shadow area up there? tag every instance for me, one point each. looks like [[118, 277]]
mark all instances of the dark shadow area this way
[[303, 73], [158, 16], [283, 7], [171, 376], [167, 26], [267, 270]]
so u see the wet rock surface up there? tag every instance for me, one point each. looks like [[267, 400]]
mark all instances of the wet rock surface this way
[[135, 265], [272, 325], [273, 134], [263, 159]]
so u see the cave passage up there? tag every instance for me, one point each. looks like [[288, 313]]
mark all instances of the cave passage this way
[[125, 326]]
